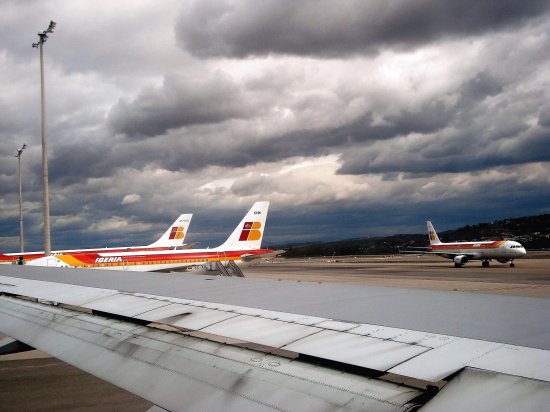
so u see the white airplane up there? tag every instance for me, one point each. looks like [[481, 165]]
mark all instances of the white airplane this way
[[172, 239], [243, 247], [461, 252]]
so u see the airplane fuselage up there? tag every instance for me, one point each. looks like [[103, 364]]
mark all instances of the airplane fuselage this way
[[11, 258], [154, 261], [500, 250]]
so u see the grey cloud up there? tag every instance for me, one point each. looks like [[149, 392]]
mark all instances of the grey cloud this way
[[180, 102], [481, 86], [196, 146], [336, 28], [544, 116], [69, 164], [255, 184], [473, 134], [463, 152]]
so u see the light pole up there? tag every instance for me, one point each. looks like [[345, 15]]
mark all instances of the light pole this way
[[47, 243], [21, 240]]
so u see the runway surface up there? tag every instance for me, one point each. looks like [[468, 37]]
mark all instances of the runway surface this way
[[425, 294]]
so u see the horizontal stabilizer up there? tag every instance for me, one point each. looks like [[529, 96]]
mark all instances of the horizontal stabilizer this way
[[271, 254]]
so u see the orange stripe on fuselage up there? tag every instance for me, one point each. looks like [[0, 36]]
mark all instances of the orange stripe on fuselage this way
[[71, 260]]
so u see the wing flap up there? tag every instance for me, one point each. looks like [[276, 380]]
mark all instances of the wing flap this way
[[178, 372]]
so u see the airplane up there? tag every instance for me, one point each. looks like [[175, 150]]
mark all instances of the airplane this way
[[242, 248], [233, 345], [461, 252], [172, 239]]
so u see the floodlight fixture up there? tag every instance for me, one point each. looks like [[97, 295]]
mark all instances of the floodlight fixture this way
[[43, 36], [20, 151]]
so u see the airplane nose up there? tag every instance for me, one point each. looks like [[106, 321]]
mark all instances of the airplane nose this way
[[520, 252]]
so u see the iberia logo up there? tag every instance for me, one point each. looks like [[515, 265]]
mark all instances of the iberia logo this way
[[251, 231], [176, 232], [432, 235]]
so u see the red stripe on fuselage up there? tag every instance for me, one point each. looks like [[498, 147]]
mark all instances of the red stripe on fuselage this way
[[13, 257], [88, 258]]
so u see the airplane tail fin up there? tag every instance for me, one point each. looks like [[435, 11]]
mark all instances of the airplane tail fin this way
[[250, 231], [175, 235], [432, 234]]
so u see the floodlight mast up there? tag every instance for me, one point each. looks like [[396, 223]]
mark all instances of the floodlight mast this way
[[47, 243], [21, 238]]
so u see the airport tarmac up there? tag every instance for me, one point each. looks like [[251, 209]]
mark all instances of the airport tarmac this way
[[529, 277], [34, 381]]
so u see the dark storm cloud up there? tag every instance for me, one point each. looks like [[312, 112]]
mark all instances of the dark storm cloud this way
[[70, 164], [181, 101], [428, 118], [355, 137], [449, 154], [544, 117], [197, 146], [338, 28]]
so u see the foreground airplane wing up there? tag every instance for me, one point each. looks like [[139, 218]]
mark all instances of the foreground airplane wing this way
[[186, 354]]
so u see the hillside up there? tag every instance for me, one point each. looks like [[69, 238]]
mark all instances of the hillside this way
[[532, 231]]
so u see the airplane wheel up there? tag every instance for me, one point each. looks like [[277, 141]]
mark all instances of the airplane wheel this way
[[512, 265], [457, 265], [485, 264]]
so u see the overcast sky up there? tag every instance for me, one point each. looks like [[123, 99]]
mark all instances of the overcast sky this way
[[354, 118]]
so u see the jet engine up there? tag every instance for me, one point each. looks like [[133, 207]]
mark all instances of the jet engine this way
[[460, 260], [502, 260]]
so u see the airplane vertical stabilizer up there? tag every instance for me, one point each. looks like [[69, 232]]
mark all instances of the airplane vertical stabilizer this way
[[249, 233], [175, 235], [432, 234]]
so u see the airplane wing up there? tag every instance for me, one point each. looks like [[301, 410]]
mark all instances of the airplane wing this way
[[187, 354], [428, 251], [271, 254]]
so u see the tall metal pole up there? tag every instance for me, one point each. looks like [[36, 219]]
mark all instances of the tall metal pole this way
[[47, 241], [46, 194], [21, 238]]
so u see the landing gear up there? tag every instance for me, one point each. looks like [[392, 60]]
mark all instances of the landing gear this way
[[512, 264], [458, 265], [485, 264]]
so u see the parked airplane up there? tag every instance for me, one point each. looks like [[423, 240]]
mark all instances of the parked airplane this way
[[243, 247], [172, 239], [461, 252]]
